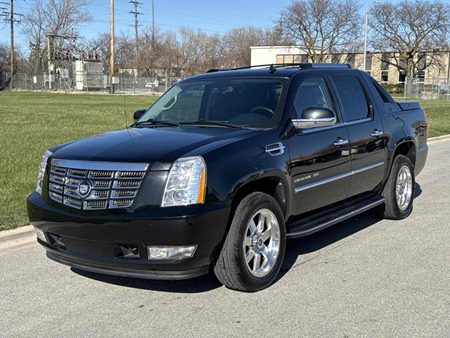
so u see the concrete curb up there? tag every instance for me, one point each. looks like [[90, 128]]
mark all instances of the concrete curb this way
[[439, 139], [17, 237], [15, 233]]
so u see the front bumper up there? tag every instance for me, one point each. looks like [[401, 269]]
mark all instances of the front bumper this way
[[91, 242]]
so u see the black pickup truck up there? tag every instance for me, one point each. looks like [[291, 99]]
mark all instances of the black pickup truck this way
[[223, 168]]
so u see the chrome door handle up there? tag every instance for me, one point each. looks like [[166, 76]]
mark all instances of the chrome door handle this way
[[376, 133], [340, 142]]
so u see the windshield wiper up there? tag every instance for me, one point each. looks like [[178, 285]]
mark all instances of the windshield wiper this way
[[214, 123], [154, 122]]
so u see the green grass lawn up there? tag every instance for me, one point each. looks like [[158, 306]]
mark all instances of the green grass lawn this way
[[33, 122], [438, 115]]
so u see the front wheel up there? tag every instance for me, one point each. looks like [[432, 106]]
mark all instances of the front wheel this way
[[254, 248], [399, 189]]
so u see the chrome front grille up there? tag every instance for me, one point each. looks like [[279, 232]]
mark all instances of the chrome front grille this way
[[87, 185]]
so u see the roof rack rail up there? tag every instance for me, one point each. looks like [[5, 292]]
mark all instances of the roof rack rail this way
[[325, 65], [273, 66]]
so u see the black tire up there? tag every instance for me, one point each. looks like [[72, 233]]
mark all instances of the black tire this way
[[391, 207], [231, 268]]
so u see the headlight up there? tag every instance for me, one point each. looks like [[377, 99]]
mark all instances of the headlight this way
[[186, 183], [41, 171]]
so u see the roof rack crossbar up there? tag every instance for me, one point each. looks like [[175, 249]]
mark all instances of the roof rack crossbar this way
[[277, 65]]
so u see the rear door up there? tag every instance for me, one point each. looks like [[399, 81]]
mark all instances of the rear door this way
[[365, 130], [319, 162]]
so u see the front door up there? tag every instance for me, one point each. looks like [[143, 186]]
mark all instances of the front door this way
[[365, 131], [319, 157]]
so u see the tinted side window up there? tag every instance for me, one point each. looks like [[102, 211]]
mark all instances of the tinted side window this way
[[312, 92], [352, 96], [385, 97]]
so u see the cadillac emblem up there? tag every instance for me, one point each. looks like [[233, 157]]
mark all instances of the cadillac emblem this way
[[84, 188]]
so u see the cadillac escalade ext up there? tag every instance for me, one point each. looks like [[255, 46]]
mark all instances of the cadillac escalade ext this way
[[223, 168]]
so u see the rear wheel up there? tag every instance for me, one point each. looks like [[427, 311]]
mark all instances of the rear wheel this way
[[254, 248], [399, 189]]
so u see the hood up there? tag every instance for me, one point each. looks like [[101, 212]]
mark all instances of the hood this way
[[147, 145]]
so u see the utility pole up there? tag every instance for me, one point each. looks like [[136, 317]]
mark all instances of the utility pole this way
[[111, 45], [136, 32], [153, 23], [10, 16], [49, 57]]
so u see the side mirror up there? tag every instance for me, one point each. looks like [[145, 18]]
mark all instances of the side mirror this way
[[315, 118], [138, 114]]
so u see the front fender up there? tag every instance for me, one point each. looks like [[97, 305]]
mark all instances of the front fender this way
[[231, 168]]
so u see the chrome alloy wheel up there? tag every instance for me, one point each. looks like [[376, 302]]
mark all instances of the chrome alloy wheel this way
[[262, 242], [404, 188]]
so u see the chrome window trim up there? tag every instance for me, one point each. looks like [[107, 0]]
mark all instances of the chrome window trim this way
[[337, 125], [313, 130], [337, 177], [351, 123], [99, 165]]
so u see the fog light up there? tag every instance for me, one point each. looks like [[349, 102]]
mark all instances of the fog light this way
[[170, 252], [41, 235]]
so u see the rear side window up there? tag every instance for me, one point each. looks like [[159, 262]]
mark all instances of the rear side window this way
[[384, 96], [353, 97]]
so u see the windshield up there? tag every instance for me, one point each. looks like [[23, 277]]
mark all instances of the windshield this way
[[238, 102]]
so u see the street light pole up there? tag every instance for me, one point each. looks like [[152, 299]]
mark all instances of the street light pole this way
[[365, 37], [111, 45]]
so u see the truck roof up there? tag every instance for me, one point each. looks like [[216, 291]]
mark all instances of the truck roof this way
[[279, 70]]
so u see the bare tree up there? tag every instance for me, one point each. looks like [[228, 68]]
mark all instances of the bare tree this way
[[237, 43], [21, 62], [408, 30], [276, 36], [196, 50], [151, 49], [322, 26], [51, 17]]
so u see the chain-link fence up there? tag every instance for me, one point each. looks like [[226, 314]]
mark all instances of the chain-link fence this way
[[427, 89], [95, 81], [83, 82], [142, 85]]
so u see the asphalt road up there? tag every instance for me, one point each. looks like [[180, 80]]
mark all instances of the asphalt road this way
[[364, 277]]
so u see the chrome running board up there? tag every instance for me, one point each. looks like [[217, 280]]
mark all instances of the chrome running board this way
[[305, 231]]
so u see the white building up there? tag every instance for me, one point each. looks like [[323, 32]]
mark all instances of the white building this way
[[265, 55], [378, 64]]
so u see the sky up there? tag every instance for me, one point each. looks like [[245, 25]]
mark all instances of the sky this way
[[208, 15]]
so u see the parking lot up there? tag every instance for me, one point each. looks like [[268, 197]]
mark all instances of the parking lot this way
[[364, 277]]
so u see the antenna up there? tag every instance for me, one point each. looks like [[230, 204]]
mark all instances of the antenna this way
[[125, 109]]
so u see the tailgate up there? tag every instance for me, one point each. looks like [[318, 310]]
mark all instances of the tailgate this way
[[409, 105]]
